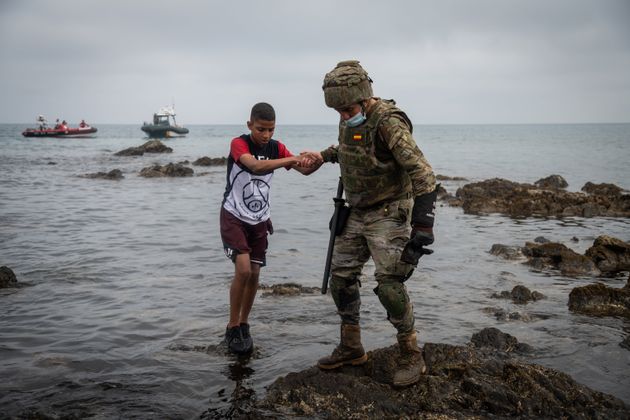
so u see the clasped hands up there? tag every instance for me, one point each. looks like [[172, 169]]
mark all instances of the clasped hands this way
[[309, 159]]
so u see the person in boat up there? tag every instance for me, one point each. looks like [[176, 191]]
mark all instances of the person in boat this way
[[43, 124], [245, 214], [392, 191], [83, 124], [57, 124], [63, 125]]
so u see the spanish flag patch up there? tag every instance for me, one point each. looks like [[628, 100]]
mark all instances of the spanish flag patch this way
[[357, 137]]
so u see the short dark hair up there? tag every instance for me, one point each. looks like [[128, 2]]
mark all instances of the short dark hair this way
[[262, 111]]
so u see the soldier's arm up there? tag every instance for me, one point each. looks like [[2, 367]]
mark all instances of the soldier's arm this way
[[398, 139], [397, 135], [329, 154]]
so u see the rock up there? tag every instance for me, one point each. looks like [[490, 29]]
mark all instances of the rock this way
[[602, 189], [507, 252], [626, 343], [114, 174], [449, 178], [7, 277], [155, 146], [461, 382], [287, 289], [494, 338], [552, 182], [207, 161], [171, 170], [601, 300], [541, 240], [519, 294], [502, 315], [152, 146], [525, 200], [557, 256], [131, 151], [609, 254]]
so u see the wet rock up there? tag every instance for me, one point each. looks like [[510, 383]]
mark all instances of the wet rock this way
[[496, 339], [602, 189], [287, 289], [541, 240], [7, 277], [626, 343], [208, 161], [600, 300], [461, 382], [557, 256], [152, 146], [575, 239], [552, 182], [609, 254], [503, 315], [507, 252], [525, 200], [131, 151], [170, 170], [155, 146], [520, 294], [440, 177], [114, 174]]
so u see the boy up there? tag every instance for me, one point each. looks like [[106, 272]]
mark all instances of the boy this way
[[245, 214]]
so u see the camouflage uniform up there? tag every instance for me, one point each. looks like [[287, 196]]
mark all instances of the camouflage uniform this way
[[382, 170]]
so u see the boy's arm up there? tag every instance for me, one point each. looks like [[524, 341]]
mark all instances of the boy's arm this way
[[265, 166]]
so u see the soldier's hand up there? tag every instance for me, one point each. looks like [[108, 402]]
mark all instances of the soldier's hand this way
[[422, 236]]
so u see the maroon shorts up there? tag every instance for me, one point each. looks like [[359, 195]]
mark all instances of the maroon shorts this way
[[242, 238]]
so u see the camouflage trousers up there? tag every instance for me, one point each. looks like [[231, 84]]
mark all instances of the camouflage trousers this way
[[381, 233]]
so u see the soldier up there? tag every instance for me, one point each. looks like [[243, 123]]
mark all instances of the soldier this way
[[391, 189]]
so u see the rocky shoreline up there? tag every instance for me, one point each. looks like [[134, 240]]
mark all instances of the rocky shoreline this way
[[487, 378]]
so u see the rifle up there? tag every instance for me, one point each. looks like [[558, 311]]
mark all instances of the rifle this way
[[339, 204]]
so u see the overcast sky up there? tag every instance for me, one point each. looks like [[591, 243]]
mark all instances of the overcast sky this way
[[446, 62]]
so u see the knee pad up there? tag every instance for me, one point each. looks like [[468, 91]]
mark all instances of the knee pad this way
[[393, 297], [344, 292]]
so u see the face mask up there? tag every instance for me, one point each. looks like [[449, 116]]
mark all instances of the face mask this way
[[356, 120]]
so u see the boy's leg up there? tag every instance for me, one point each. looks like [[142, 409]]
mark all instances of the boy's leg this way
[[249, 293], [242, 274]]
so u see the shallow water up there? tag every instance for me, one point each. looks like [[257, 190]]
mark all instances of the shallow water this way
[[124, 290]]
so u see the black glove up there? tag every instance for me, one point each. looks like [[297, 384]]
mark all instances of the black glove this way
[[420, 237], [422, 218]]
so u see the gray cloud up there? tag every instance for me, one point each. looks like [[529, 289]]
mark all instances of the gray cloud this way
[[448, 62]]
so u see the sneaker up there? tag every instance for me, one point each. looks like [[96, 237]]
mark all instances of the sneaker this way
[[234, 340], [248, 343]]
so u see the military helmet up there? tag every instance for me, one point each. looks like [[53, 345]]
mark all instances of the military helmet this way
[[347, 84]]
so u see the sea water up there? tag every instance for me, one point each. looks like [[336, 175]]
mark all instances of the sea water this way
[[124, 295]]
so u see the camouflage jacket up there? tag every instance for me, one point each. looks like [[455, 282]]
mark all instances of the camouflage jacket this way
[[379, 160]]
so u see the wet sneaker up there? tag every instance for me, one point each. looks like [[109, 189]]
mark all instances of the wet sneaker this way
[[247, 339], [234, 340]]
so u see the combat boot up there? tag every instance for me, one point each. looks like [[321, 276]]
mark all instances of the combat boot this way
[[410, 362], [348, 352]]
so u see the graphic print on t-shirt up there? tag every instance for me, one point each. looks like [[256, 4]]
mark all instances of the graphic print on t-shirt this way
[[256, 195]]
